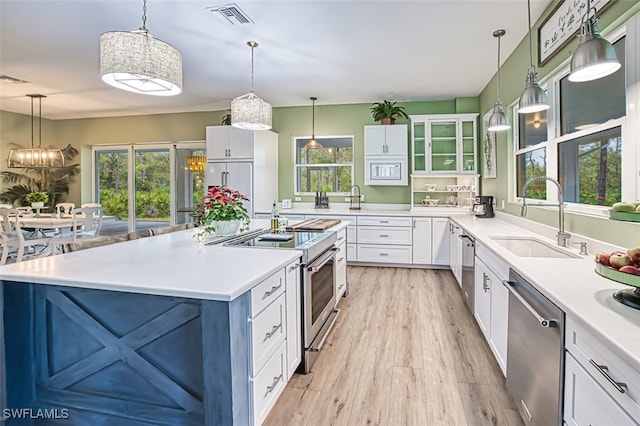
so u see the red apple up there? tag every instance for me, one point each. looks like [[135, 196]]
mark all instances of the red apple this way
[[618, 260], [634, 254], [630, 270], [603, 258]]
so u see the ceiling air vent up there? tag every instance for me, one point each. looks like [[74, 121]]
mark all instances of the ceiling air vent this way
[[231, 13], [9, 79]]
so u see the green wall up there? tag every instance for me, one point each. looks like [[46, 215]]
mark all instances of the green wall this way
[[513, 72]]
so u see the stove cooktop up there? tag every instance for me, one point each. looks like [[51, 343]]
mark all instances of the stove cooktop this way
[[310, 243]]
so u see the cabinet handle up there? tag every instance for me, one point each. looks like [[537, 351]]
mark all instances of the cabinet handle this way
[[294, 267], [270, 292], [276, 379], [340, 259], [340, 238], [384, 254], [383, 221], [384, 235], [270, 334], [485, 286], [604, 370]]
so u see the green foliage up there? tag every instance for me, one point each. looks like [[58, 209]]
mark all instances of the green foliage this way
[[37, 197], [54, 181], [387, 109], [114, 203], [226, 120]]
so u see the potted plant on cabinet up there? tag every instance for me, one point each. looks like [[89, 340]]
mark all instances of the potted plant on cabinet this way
[[386, 112], [37, 199]]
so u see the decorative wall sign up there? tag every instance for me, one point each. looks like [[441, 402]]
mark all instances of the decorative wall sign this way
[[488, 150], [562, 24]]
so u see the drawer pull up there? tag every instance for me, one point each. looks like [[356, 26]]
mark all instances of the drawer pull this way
[[604, 370], [341, 259], [384, 235], [273, 384], [270, 292], [485, 286], [294, 267], [340, 238], [383, 221], [384, 254], [270, 334]]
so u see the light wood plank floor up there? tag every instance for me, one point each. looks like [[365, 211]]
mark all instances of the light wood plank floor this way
[[405, 351]]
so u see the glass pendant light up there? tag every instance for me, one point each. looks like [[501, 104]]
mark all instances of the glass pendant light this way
[[595, 57], [36, 158], [498, 121], [533, 98], [313, 143], [249, 111], [137, 62]]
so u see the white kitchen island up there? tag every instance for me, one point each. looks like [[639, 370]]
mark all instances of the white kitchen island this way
[[150, 331]]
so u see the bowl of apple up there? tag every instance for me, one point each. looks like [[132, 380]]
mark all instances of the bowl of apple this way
[[622, 267]]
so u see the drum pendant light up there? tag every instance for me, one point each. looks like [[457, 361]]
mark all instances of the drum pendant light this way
[[533, 98], [137, 62], [498, 121], [35, 158], [313, 143], [249, 111], [595, 57]]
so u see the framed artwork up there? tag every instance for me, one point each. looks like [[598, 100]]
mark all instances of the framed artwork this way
[[488, 150], [559, 28]]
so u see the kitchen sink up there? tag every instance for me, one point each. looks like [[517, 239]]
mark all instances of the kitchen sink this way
[[532, 247]]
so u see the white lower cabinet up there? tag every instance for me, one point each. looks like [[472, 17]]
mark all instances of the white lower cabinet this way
[[276, 337], [600, 388], [491, 302], [440, 241], [385, 239], [455, 252], [341, 265], [422, 241]]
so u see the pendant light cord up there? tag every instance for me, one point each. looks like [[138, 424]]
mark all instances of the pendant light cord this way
[[144, 15], [498, 92], [40, 122], [313, 118], [530, 37], [252, 47], [31, 122]]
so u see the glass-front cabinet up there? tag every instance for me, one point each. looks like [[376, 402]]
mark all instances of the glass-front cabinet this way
[[444, 143]]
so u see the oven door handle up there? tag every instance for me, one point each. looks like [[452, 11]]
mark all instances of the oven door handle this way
[[322, 260]]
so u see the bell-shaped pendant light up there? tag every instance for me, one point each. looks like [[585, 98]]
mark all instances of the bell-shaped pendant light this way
[[313, 143], [595, 57], [498, 121], [533, 98], [249, 111], [36, 158], [136, 61]]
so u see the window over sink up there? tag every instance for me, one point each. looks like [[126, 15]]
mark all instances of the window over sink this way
[[328, 169]]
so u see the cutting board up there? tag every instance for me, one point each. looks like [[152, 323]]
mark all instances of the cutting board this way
[[313, 225]]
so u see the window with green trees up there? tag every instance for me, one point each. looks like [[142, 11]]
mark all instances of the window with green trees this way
[[328, 169]]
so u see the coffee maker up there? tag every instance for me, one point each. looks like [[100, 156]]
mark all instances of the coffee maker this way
[[483, 206]]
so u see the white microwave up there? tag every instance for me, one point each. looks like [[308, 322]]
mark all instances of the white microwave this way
[[385, 171]]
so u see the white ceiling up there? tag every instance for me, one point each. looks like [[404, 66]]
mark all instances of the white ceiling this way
[[353, 51]]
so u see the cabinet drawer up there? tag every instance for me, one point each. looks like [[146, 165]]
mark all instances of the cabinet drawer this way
[[586, 403], [341, 236], [384, 254], [352, 252], [267, 332], [266, 292], [341, 281], [493, 261], [384, 221], [268, 385], [585, 347], [351, 234], [341, 254], [384, 235]]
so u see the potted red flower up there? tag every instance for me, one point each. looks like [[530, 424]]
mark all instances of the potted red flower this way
[[221, 211]]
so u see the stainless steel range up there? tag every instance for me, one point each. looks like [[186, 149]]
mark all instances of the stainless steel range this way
[[318, 277]]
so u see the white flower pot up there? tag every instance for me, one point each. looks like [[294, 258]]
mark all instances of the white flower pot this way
[[37, 205], [226, 227]]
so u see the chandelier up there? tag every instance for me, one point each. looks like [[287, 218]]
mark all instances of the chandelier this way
[[35, 158], [249, 111], [136, 61], [196, 163]]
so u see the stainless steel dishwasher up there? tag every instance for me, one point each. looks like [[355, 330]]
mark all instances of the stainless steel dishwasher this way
[[468, 269], [535, 353]]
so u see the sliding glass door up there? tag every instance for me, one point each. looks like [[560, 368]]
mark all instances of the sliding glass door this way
[[146, 186]]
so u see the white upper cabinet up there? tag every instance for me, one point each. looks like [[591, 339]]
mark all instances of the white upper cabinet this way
[[229, 143], [384, 140]]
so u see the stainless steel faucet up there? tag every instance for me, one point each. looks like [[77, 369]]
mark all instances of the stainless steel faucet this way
[[563, 236]]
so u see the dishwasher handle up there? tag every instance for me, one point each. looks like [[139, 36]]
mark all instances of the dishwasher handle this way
[[544, 322]]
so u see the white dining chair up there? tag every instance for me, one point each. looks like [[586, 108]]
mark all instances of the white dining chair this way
[[91, 205], [6, 206], [13, 239], [86, 224], [64, 208]]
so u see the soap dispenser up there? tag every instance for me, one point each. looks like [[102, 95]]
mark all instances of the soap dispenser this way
[[274, 217]]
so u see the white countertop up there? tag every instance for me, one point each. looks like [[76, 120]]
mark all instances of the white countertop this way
[[172, 264], [572, 284], [342, 209]]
